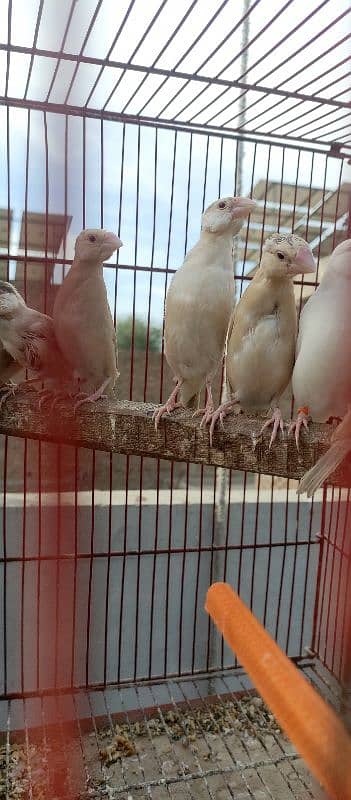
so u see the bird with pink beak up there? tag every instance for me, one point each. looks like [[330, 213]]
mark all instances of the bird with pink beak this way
[[199, 304], [262, 332]]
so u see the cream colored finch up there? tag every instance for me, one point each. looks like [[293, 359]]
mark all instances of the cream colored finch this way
[[262, 334], [321, 378], [82, 319], [199, 304]]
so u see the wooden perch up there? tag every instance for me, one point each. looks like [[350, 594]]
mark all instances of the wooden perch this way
[[128, 428]]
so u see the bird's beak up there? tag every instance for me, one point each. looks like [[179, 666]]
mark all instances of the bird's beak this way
[[110, 244], [242, 207], [303, 261]]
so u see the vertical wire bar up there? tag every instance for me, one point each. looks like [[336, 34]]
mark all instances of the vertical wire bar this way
[[154, 560], [40, 532], [151, 267], [141, 468], [187, 466], [23, 565], [248, 225], [342, 557], [126, 460], [182, 574], [8, 57], [111, 462], [170, 518], [197, 581], [270, 543], [292, 590], [317, 609], [331, 581], [167, 259], [46, 144], [4, 529], [58, 564], [91, 567], [132, 344], [75, 564], [169, 557], [328, 547]]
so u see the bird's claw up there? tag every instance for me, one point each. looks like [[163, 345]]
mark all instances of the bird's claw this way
[[207, 414], [217, 415], [167, 408], [302, 419], [278, 424]]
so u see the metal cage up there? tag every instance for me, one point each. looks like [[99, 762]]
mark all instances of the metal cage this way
[[134, 118]]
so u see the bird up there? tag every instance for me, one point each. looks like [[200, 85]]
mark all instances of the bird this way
[[82, 319], [262, 332], [27, 341], [199, 303], [321, 379], [340, 446]]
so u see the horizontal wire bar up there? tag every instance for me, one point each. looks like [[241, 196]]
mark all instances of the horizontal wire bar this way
[[304, 145], [161, 551], [133, 267], [168, 73], [186, 677]]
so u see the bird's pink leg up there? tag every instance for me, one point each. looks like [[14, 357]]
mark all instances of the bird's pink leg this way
[[220, 413], [92, 398], [169, 405], [277, 421], [302, 419], [209, 407]]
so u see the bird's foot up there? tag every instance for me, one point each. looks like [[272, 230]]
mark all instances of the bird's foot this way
[[9, 389], [206, 413], [167, 408], [54, 395], [277, 421], [99, 394], [219, 414], [302, 420]]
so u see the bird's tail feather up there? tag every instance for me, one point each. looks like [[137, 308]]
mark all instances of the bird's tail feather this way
[[189, 392], [325, 465]]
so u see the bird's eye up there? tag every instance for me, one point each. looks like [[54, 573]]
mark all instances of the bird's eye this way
[[281, 256], [92, 238], [221, 205]]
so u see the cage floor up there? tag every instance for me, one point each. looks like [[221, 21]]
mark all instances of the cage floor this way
[[209, 737]]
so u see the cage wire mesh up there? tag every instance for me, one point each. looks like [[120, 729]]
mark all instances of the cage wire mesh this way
[[135, 119]]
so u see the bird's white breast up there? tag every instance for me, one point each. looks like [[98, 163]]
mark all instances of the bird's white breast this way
[[322, 373]]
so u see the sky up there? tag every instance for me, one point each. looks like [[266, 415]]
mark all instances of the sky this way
[[137, 199]]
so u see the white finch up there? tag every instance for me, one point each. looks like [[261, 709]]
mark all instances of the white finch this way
[[321, 378], [199, 304]]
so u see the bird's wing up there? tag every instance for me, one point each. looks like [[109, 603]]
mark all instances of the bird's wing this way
[[84, 327], [38, 341]]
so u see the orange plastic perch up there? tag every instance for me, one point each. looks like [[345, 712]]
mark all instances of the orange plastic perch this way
[[317, 733]]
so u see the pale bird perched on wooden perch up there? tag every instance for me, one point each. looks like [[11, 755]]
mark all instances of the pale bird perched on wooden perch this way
[[262, 333], [199, 304], [321, 378], [82, 319], [28, 341]]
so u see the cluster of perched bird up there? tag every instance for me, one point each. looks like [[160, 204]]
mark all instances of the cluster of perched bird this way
[[258, 336]]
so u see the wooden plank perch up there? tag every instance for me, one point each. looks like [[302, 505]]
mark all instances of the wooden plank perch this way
[[127, 427]]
